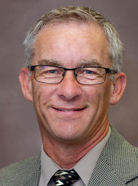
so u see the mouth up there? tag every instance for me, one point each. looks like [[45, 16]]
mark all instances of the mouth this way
[[68, 110]]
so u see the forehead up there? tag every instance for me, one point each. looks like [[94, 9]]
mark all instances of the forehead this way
[[71, 28], [71, 41]]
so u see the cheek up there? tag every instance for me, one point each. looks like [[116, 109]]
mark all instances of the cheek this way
[[98, 97], [42, 93], [105, 99], [92, 94]]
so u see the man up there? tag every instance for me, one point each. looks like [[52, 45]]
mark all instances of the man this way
[[72, 75]]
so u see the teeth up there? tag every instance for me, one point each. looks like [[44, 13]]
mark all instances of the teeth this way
[[64, 110]]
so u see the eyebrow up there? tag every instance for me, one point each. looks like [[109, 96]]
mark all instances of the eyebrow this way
[[91, 62], [49, 62]]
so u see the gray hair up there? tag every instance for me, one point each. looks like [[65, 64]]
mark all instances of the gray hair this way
[[81, 14]]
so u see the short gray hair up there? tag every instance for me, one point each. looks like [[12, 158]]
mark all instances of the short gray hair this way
[[81, 14]]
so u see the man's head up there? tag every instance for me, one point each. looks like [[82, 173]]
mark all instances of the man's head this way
[[69, 111]]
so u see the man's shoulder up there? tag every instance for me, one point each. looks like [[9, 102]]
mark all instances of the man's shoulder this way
[[20, 172], [119, 144], [117, 164], [122, 158], [120, 149]]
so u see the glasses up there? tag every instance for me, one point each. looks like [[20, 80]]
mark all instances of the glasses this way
[[88, 75]]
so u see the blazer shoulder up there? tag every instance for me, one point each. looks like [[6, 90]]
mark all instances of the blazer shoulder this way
[[117, 164], [20, 172], [122, 157]]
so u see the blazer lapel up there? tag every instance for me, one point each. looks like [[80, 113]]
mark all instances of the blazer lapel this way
[[103, 175], [117, 164], [33, 176], [33, 179]]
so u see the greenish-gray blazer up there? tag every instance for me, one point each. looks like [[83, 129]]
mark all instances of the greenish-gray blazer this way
[[117, 166]]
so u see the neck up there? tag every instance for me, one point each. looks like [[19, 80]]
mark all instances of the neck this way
[[67, 155]]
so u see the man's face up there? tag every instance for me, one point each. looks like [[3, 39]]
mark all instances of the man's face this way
[[69, 111]]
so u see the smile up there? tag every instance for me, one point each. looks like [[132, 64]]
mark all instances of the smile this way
[[68, 110]]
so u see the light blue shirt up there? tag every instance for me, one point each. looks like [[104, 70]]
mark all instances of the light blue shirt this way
[[84, 167]]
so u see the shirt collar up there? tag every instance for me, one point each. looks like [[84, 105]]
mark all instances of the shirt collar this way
[[84, 167]]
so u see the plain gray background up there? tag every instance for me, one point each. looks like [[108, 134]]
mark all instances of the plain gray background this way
[[19, 132]]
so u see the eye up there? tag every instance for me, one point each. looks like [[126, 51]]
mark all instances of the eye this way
[[88, 72], [52, 71]]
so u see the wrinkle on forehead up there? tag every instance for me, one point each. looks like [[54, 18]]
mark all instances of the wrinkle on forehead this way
[[84, 62]]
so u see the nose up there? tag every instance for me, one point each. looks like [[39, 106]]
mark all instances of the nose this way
[[69, 89]]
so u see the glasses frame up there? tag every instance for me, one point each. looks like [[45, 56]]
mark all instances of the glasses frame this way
[[107, 71]]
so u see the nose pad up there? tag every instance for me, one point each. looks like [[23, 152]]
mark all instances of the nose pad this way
[[75, 75], [64, 74]]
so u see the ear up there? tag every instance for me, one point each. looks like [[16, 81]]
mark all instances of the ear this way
[[26, 84], [118, 87]]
